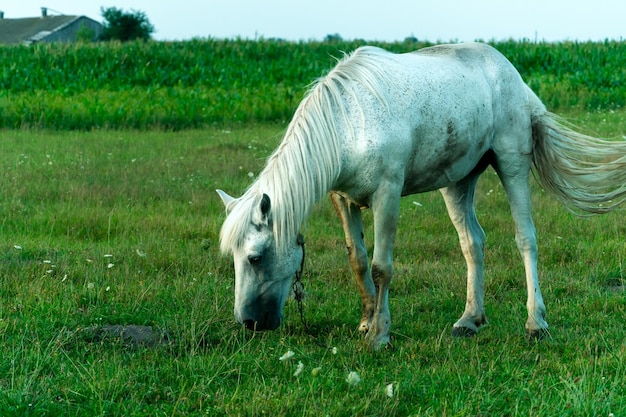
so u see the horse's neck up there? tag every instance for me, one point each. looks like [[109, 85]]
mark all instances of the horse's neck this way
[[296, 177]]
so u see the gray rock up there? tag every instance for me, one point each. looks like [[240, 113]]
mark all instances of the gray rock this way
[[132, 335]]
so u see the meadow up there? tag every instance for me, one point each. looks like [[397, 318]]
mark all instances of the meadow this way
[[114, 223]]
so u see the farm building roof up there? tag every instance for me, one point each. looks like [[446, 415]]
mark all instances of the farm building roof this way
[[37, 29]]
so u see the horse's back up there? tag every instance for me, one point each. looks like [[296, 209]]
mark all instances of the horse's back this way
[[494, 78], [450, 75], [446, 107], [467, 52]]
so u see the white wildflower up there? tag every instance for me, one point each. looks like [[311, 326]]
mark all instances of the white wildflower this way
[[250, 174], [353, 378], [334, 350], [47, 261], [299, 368], [18, 247], [389, 390], [288, 355], [108, 255], [110, 266]]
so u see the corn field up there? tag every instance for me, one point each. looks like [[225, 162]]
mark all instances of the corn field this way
[[178, 85]]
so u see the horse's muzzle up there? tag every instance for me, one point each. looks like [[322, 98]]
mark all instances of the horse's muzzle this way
[[267, 321]]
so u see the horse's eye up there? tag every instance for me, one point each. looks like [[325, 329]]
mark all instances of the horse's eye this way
[[255, 259]]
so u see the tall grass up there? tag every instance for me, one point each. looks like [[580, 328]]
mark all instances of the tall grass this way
[[117, 227], [178, 85]]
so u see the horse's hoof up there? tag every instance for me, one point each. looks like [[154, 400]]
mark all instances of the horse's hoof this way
[[376, 343], [536, 335], [380, 346], [463, 332]]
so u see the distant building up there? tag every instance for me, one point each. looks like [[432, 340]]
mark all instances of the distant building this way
[[57, 28]]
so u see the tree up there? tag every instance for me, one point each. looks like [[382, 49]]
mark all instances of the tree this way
[[333, 38], [125, 26]]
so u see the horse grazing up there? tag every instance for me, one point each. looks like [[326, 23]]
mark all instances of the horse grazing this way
[[380, 126]]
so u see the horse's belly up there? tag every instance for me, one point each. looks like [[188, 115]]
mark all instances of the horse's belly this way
[[432, 180], [421, 176]]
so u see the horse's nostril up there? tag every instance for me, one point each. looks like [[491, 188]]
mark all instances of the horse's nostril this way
[[250, 324]]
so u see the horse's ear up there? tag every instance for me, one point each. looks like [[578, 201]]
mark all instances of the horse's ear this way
[[227, 200], [265, 204], [264, 210]]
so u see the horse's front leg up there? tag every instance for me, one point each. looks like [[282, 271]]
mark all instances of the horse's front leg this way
[[352, 223], [385, 205]]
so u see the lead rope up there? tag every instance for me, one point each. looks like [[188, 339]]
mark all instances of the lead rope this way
[[298, 287], [298, 294]]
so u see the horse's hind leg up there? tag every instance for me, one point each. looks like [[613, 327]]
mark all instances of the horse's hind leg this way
[[459, 198], [352, 223], [514, 177]]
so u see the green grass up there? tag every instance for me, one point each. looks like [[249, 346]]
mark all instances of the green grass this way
[[121, 227]]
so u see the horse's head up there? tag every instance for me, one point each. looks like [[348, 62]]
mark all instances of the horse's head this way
[[263, 269]]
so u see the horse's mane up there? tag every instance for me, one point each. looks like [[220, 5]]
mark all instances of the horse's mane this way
[[307, 163]]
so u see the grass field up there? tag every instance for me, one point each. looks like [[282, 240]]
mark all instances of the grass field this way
[[121, 227]]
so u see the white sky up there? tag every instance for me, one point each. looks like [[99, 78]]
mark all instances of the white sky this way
[[384, 20]]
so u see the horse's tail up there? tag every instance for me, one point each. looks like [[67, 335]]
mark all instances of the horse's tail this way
[[583, 172]]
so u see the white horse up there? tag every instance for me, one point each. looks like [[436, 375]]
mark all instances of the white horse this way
[[380, 126]]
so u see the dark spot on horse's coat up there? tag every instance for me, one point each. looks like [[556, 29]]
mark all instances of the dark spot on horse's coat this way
[[453, 142], [450, 129], [453, 150]]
